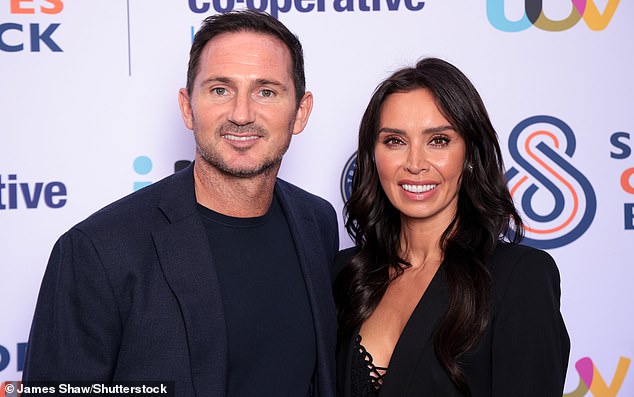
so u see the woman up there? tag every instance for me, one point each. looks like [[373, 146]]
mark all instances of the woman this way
[[432, 301]]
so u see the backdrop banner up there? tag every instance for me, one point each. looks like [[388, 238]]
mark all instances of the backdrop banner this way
[[89, 114]]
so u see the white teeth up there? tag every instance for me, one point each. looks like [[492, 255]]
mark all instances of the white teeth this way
[[240, 138], [418, 188]]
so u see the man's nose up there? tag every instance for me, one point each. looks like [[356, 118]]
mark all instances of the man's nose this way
[[242, 112]]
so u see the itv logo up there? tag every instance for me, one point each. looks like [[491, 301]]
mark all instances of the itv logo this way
[[592, 383], [534, 15]]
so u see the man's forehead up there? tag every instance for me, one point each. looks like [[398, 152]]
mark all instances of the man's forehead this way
[[247, 45]]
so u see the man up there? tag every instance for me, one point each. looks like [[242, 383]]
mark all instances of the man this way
[[217, 277]]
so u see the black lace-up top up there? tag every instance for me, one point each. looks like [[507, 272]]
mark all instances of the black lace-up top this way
[[366, 377]]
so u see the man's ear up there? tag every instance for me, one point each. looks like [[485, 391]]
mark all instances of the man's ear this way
[[186, 108], [303, 113]]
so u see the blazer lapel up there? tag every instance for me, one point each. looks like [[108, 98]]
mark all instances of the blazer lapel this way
[[315, 267], [417, 336], [187, 263]]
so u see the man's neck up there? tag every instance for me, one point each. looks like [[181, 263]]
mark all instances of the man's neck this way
[[233, 196]]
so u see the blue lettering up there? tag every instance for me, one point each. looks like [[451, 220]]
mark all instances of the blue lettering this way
[[5, 357], [7, 47], [45, 37], [31, 201], [339, 7], [392, 5], [375, 5], [35, 37], [617, 141], [13, 193], [628, 213], [199, 10], [219, 8], [262, 7], [2, 186], [414, 7], [21, 356], [275, 7], [54, 193], [309, 5], [51, 193]]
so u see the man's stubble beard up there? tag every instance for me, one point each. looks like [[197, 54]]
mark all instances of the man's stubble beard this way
[[215, 159]]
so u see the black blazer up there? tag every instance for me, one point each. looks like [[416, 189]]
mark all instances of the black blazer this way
[[131, 293], [523, 353]]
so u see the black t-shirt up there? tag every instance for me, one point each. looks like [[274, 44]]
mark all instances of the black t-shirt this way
[[269, 321]]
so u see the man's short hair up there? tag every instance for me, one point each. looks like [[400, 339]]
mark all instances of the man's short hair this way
[[248, 21]]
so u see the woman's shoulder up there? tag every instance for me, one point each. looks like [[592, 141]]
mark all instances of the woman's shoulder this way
[[347, 253], [342, 258], [511, 255], [521, 267]]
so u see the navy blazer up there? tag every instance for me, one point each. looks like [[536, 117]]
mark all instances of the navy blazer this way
[[131, 294], [522, 353]]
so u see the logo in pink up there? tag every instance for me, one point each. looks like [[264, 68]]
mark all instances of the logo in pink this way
[[590, 379]]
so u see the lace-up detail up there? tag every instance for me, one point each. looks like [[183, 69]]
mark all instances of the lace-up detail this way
[[367, 378]]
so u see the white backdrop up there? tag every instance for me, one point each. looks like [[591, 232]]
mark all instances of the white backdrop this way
[[88, 109]]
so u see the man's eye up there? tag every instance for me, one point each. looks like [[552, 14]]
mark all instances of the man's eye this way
[[219, 91], [266, 93]]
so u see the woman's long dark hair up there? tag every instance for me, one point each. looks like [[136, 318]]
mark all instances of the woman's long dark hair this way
[[484, 214]]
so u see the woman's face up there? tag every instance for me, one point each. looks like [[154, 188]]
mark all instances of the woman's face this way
[[419, 158]]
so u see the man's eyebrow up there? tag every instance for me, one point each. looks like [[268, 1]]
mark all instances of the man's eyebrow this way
[[276, 83], [215, 79], [228, 80]]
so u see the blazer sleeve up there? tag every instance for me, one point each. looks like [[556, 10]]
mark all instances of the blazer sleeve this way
[[530, 342], [76, 327]]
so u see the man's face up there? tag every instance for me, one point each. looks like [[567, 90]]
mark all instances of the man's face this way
[[242, 107]]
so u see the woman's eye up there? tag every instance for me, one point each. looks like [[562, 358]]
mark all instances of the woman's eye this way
[[392, 141], [440, 141]]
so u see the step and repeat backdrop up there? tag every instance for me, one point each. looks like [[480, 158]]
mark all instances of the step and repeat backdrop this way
[[89, 113]]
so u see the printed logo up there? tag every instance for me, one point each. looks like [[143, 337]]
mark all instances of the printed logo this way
[[275, 7], [622, 151], [590, 379], [143, 165], [346, 177], [15, 194], [17, 37], [534, 16], [5, 357], [553, 197]]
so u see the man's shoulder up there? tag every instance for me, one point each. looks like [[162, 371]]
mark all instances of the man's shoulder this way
[[136, 209]]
